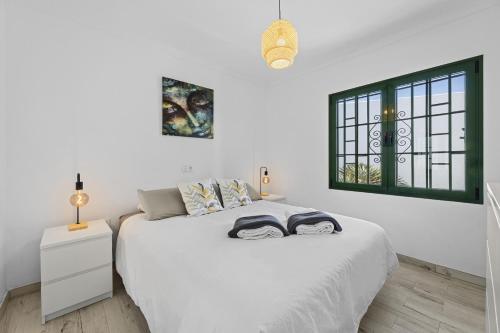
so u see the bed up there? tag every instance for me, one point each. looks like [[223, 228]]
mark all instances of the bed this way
[[187, 276]]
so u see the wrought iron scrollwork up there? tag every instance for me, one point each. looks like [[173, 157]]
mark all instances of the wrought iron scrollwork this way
[[403, 136]]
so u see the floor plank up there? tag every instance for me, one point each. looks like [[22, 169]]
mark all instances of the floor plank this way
[[414, 300]]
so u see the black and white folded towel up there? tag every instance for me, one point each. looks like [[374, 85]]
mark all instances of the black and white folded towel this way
[[257, 227], [311, 222]]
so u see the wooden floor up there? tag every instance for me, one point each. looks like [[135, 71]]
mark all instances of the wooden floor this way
[[413, 300]]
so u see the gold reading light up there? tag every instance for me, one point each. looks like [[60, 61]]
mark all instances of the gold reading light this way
[[264, 179], [79, 199]]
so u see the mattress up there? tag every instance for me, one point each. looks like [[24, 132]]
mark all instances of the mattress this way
[[188, 276]]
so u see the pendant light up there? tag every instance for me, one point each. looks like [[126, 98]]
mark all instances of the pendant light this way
[[279, 43]]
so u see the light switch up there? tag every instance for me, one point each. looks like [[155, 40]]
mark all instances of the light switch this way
[[187, 168]]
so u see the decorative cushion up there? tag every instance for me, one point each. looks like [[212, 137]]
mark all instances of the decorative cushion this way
[[254, 195], [160, 204], [217, 191], [234, 193], [200, 198]]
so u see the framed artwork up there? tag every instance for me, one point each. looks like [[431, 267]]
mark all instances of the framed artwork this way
[[188, 109]]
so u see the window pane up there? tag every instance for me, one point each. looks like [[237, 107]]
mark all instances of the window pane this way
[[419, 135], [362, 169], [350, 148], [458, 131], [362, 110], [439, 90], [350, 112], [363, 139], [340, 168], [340, 113], [403, 167], [403, 103], [420, 171], [458, 172], [419, 100], [349, 133], [340, 141], [438, 109], [359, 139], [375, 104], [350, 169], [439, 124], [458, 93], [439, 143], [375, 171], [440, 171], [428, 135]]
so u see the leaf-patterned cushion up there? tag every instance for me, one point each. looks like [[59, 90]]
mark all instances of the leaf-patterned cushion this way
[[234, 193], [200, 198]]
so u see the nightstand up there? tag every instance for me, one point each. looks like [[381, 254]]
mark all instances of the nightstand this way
[[76, 268], [274, 197]]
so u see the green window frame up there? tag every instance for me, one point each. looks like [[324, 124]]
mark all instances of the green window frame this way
[[417, 135]]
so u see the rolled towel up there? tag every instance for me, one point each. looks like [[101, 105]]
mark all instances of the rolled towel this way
[[289, 213], [249, 223], [311, 219], [260, 233], [313, 229]]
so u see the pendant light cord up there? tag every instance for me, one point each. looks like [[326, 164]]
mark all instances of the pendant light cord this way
[[279, 8]]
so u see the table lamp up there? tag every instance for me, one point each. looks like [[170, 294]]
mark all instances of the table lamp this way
[[264, 179], [79, 199]]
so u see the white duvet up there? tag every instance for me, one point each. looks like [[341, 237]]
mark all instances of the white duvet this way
[[187, 276]]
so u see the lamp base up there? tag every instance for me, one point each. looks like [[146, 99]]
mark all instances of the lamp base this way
[[77, 226], [264, 194]]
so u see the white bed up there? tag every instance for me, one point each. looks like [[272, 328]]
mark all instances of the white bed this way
[[187, 276]]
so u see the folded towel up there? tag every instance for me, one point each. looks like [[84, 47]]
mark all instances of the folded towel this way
[[311, 218], [260, 233], [318, 228], [254, 222], [289, 213]]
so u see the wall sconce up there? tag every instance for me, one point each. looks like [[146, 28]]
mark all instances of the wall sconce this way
[[264, 179], [79, 199]]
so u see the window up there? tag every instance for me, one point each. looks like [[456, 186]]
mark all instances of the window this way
[[417, 135]]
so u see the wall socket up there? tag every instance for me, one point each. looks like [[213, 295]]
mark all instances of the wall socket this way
[[187, 168]]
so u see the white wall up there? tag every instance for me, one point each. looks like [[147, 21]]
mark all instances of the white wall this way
[[88, 99], [2, 150], [294, 144]]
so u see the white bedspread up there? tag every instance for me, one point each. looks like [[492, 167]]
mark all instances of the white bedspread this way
[[187, 276]]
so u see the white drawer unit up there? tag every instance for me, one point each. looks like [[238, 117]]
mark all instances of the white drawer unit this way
[[76, 268], [493, 259]]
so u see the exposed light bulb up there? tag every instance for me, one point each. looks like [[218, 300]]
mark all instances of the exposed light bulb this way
[[79, 199]]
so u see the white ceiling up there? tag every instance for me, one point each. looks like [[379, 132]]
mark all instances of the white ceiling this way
[[226, 33]]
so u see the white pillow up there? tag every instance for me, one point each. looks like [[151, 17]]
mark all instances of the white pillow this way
[[200, 198], [234, 193]]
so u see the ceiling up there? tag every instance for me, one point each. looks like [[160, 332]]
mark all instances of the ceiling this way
[[226, 33]]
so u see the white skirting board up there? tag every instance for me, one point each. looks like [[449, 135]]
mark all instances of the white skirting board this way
[[76, 306], [3, 303], [467, 277]]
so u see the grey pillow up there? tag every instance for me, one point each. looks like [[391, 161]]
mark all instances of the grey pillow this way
[[160, 204], [254, 195]]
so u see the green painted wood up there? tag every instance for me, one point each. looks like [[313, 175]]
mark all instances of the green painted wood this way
[[473, 68]]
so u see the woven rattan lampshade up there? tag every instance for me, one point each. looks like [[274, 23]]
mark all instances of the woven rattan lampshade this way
[[279, 44]]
